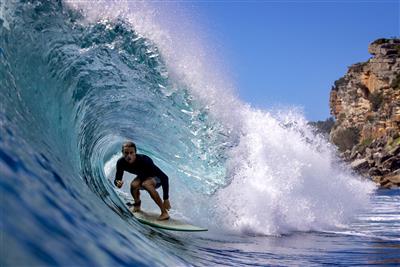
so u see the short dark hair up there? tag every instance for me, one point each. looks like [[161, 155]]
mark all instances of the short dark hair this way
[[128, 144]]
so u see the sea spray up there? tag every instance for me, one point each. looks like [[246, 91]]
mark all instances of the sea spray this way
[[285, 178]]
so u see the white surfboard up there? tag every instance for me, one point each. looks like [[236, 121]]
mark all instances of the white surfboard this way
[[150, 219]]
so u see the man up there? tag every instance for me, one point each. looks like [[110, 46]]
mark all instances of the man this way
[[149, 177]]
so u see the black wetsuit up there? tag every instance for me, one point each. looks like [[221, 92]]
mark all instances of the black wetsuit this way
[[144, 168]]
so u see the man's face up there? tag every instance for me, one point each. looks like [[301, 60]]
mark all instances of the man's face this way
[[129, 154]]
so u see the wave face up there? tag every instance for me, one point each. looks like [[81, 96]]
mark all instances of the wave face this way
[[76, 85]]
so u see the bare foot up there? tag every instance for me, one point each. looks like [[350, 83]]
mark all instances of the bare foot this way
[[136, 208], [163, 216]]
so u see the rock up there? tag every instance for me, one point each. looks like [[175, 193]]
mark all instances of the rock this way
[[354, 153], [377, 156], [359, 164], [347, 153], [384, 158], [395, 151], [371, 162], [392, 163], [390, 181], [374, 172]]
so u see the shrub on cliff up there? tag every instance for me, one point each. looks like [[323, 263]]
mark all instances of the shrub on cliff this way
[[380, 41], [396, 82], [376, 99], [340, 82], [364, 144], [346, 138], [323, 127]]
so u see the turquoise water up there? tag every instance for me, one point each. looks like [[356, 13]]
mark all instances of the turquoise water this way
[[76, 82]]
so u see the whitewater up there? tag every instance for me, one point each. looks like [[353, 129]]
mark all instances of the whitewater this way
[[79, 78]]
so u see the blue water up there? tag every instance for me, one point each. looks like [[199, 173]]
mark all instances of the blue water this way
[[77, 81]]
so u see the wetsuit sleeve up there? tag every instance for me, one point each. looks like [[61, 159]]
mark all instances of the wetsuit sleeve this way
[[119, 171], [164, 182]]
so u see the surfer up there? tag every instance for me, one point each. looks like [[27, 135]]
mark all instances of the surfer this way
[[149, 177]]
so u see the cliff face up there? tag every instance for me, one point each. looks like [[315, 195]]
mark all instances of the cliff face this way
[[366, 105]]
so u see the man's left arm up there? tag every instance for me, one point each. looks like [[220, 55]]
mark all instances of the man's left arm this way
[[165, 186], [164, 182], [163, 179]]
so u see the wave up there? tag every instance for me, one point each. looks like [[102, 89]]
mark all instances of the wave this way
[[77, 82]]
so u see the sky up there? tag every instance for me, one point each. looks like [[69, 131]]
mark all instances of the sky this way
[[289, 53]]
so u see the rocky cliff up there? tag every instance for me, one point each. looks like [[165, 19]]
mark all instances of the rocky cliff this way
[[366, 105]]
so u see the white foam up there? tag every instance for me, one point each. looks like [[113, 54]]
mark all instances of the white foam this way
[[283, 180], [3, 15]]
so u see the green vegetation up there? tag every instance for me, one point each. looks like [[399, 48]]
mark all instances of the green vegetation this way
[[396, 142], [396, 82], [364, 144], [340, 82], [342, 116], [392, 143], [358, 67], [397, 47], [376, 99], [347, 138], [381, 41], [371, 118], [323, 127]]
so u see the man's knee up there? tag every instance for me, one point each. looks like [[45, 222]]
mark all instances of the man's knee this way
[[149, 185], [135, 185]]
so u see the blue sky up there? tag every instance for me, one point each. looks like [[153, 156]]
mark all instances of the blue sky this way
[[289, 53]]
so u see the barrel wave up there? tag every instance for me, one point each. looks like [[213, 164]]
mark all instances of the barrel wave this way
[[73, 89]]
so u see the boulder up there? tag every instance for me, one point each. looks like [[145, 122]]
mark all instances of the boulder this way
[[359, 164], [390, 181]]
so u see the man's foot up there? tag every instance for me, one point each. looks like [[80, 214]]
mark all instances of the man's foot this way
[[136, 206], [163, 216]]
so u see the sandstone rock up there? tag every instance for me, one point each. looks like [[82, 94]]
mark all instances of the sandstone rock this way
[[367, 99], [376, 178], [390, 181]]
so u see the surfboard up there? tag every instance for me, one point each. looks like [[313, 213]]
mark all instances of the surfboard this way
[[150, 218]]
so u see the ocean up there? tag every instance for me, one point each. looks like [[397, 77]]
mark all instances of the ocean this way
[[79, 78]]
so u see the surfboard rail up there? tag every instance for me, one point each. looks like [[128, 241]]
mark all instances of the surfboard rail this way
[[151, 219]]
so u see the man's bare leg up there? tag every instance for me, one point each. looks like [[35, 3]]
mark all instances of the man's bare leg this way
[[135, 191], [150, 186]]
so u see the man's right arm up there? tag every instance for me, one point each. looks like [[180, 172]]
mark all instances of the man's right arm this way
[[118, 174]]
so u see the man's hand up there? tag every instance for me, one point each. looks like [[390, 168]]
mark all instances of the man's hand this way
[[166, 204], [118, 183]]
